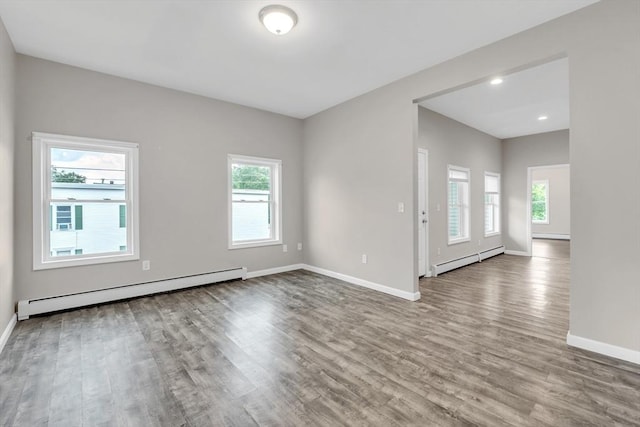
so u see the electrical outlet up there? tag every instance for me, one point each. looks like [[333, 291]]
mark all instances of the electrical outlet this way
[[284, 248], [400, 207], [438, 251], [146, 265], [438, 207], [299, 246], [364, 258]]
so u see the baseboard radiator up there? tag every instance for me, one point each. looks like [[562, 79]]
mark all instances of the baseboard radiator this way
[[28, 308], [461, 262]]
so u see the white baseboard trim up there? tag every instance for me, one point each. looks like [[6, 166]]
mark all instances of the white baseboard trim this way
[[7, 332], [551, 236], [28, 308], [411, 296], [517, 253], [275, 270], [610, 350]]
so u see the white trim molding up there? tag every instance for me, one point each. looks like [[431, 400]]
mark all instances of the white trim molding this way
[[275, 270], [28, 308], [610, 350], [551, 236], [411, 296], [44, 198], [7, 332]]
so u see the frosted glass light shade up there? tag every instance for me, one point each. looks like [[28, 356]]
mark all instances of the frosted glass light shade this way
[[278, 19]]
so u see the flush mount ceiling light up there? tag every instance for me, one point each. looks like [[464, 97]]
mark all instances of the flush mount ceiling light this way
[[496, 81], [278, 19], [541, 118]]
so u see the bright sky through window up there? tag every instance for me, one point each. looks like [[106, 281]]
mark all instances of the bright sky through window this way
[[96, 167]]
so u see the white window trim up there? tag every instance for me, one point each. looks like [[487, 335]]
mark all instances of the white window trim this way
[[276, 194], [495, 233], [41, 143], [546, 199], [467, 219]]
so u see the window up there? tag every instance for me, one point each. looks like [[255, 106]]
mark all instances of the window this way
[[63, 217], [540, 202], [491, 204], [66, 217], [85, 201], [458, 195], [254, 201]]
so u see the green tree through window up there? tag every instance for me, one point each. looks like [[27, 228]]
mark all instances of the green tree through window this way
[[539, 193], [247, 177], [63, 176]]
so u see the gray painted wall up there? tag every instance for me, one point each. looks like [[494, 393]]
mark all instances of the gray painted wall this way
[[360, 160], [7, 144], [358, 167], [452, 143], [518, 154], [559, 200], [184, 141]]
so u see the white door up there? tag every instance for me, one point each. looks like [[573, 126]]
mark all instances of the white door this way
[[423, 226]]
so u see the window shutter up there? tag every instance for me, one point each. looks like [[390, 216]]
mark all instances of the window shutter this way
[[78, 209], [491, 184], [123, 216]]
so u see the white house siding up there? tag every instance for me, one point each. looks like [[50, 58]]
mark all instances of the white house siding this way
[[251, 221], [101, 231]]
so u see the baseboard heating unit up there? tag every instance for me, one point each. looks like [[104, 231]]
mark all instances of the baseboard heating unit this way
[[28, 308], [461, 262]]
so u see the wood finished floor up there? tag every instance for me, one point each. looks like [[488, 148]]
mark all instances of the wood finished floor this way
[[549, 248], [484, 346]]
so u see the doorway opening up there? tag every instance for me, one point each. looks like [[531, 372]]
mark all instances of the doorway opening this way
[[549, 210]]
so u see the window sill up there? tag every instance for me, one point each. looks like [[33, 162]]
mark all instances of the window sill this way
[[457, 241], [85, 260], [540, 222], [497, 233], [255, 244]]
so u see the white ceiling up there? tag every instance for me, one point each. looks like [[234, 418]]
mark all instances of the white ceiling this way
[[219, 49], [512, 108]]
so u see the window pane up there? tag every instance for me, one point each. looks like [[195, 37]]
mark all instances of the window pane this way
[[251, 177], [255, 192], [100, 231], [539, 211], [539, 201], [251, 221], [488, 219], [88, 175]]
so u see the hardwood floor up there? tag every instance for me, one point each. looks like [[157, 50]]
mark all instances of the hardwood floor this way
[[484, 346], [550, 248]]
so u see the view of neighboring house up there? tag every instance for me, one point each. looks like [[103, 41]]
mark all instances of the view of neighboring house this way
[[95, 225]]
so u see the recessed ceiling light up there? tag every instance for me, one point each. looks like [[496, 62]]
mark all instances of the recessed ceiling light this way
[[278, 19], [543, 118], [496, 81]]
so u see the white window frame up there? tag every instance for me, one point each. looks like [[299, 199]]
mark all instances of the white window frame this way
[[495, 206], [546, 201], [275, 205], [465, 212], [42, 144]]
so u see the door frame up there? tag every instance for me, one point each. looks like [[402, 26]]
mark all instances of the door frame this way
[[424, 152]]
